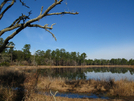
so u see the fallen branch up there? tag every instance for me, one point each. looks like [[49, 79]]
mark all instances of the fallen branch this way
[[54, 94]]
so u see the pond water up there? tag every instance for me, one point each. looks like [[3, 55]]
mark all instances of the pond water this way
[[109, 75], [76, 95], [88, 73]]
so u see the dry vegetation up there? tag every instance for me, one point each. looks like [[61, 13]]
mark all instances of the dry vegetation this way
[[122, 90], [85, 66], [117, 89]]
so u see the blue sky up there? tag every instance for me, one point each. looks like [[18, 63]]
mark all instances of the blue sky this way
[[103, 29]]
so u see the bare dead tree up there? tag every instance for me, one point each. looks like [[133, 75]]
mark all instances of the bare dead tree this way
[[21, 22]]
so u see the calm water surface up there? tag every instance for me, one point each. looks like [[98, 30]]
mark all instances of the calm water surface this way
[[109, 75], [90, 73]]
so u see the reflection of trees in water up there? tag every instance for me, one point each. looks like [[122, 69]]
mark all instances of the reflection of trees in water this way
[[70, 73], [79, 73], [112, 70]]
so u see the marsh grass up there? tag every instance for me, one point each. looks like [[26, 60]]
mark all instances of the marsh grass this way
[[20, 86], [114, 89], [31, 84], [122, 88], [7, 94]]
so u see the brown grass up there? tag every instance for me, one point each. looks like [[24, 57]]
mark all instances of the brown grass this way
[[76, 86], [84, 66], [122, 89], [7, 94], [118, 89]]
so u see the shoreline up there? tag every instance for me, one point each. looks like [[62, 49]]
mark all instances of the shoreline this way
[[86, 66]]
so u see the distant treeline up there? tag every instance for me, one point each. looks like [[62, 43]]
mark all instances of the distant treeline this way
[[53, 57]]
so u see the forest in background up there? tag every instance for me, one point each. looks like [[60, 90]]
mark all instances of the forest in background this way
[[58, 57]]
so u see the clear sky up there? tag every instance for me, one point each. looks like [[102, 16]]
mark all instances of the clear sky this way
[[103, 29]]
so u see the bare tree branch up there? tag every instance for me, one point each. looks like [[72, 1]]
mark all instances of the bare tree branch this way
[[20, 23], [5, 1], [22, 17], [52, 34], [41, 10], [24, 4], [55, 1], [6, 41], [54, 94], [45, 13], [15, 24], [2, 4], [44, 27], [9, 46], [9, 29], [14, 33], [61, 13]]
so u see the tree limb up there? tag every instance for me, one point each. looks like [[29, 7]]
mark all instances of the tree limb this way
[[15, 24], [54, 94], [5, 1], [52, 34], [44, 27], [24, 4], [17, 21], [6, 41], [14, 33], [45, 13], [9, 29], [9, 46], [60, 13], [2, 4], [55, 1], [12, 3], [21, 26], [41, 10]]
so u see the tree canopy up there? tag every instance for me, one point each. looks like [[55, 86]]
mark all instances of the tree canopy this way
[[55, 57]]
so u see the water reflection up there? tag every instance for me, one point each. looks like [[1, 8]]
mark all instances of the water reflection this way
[[109, 75], [90, 73]]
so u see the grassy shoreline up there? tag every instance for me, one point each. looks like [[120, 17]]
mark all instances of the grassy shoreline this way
[[85, 66], [31, 82]]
